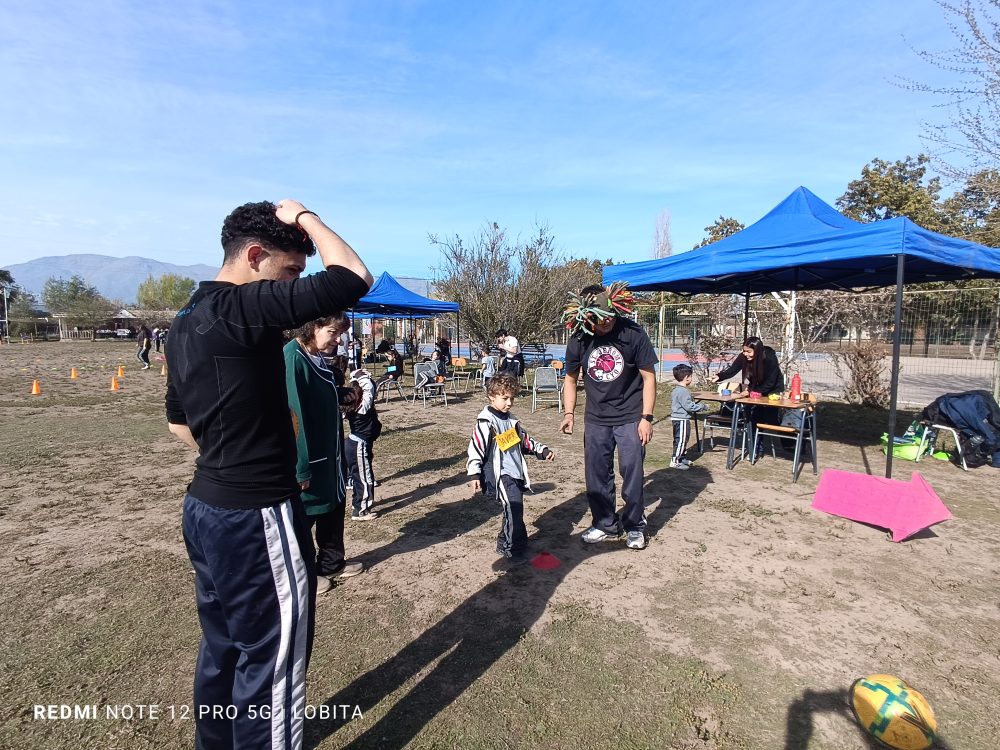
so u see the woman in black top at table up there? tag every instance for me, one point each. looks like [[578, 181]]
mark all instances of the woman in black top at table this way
[[760, 370]]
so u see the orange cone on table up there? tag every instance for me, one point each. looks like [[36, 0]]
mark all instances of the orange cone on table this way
[[73, 374], [121, 371], [36, 388], [114, 384]]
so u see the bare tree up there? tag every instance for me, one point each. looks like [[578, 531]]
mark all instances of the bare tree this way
[[504, 283], [712, 347], [970, 141], [663, 246]]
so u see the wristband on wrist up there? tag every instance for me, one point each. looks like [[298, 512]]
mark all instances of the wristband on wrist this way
[[300, 214]]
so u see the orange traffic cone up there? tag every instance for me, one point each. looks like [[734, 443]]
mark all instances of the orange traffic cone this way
[[121, 371], [114, 384], [163, 370], [36, 388], [73, 374]]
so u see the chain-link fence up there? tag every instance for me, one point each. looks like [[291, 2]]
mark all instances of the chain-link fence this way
[[948, 336]]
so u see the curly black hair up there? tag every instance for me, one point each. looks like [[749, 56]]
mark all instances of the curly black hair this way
[[258, 222]]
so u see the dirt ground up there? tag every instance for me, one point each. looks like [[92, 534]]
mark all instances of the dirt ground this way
[[742, 625]]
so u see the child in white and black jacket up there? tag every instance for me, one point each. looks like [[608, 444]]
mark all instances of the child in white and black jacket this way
[[496, 464], [359, 445]]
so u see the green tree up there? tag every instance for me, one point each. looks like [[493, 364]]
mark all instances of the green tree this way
[[724, 226], [80, 302], [7, 281], [973, 213], [168, 292], [503, 283], [886, 190], [23, 312]]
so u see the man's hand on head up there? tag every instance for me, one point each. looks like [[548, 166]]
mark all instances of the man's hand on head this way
[[286, 210]]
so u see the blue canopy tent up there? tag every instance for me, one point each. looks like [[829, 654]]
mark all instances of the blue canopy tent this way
[[803, 243], [388, 298]]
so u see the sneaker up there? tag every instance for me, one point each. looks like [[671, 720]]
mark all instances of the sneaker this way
[[323, 584], [145, 367], [636, 540], [349, 570], [593, 535], [686, 461], [679, 465], [366, 516]]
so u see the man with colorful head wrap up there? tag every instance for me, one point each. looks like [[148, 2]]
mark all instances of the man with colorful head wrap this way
[[617, 360]]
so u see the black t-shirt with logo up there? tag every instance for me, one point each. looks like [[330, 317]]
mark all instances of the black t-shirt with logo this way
[[610, 368]]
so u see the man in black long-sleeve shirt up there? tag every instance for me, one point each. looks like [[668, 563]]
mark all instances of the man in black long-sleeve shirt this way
[[244, 527]]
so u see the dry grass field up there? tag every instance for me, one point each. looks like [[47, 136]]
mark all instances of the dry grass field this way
[[741, 626]]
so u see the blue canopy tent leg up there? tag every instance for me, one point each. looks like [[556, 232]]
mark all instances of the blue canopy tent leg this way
[[897, 335]]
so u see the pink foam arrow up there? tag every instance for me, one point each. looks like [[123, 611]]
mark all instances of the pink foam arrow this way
[[902, 507]]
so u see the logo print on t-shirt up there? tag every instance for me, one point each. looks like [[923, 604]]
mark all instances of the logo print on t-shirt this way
[[605, 364]]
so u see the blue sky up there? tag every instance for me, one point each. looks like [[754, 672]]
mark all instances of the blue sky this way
[[132, 128]]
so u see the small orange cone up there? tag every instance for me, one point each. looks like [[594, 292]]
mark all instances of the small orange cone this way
[[114, 384], [73, 374], [163, 370], [121, 371], [36, 388]]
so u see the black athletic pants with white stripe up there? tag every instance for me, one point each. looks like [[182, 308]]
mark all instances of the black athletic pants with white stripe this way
[[513, 536], [358, 463], [682, 430], [255, 581]]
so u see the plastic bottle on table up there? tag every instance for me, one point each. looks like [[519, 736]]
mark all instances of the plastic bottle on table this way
[[796, 390]]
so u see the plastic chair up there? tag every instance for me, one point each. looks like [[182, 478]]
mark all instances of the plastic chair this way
[[431, 388], [383, 389], [463, 375], [722, 420], [808, 430], [546, 382], [560, 375], [929, 443]]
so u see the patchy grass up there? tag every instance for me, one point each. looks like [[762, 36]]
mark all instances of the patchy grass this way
[[740, 627]]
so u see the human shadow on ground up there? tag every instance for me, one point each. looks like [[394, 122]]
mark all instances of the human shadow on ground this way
[[430, 464], [394, 503], [799, 719], [408, 428], [467, 642]]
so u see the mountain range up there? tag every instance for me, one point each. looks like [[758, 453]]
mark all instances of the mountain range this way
[[115, 278]]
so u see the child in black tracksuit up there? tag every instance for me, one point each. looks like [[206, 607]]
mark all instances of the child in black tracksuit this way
[[496, 464], [358, 446]]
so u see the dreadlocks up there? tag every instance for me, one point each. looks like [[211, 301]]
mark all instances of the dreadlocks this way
[[595, 304]]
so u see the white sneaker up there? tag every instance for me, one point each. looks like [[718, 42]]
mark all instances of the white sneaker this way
[[593, 535], [636, 540], [679, 465], [686, 461], [323, 584]]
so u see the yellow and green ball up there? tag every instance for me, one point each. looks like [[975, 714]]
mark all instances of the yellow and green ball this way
[[893, 713]]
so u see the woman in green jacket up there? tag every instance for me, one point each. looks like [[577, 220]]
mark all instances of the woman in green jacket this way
[[314, 403]]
